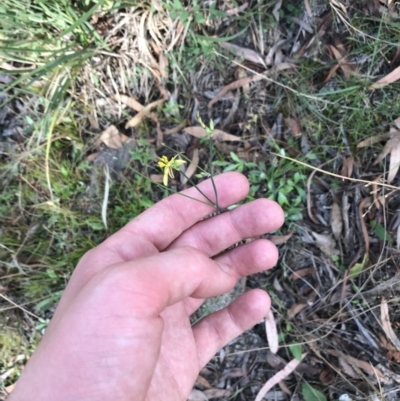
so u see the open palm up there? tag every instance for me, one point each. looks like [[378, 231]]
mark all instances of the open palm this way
[[122, 329]]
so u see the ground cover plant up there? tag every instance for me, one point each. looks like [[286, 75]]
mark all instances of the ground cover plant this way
[[302, 97]]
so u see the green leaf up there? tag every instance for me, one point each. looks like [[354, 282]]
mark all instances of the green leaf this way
[[296, 351], [282, 199], [311, 394], [235, 157], [184, 16], [356, 270], [380, 231]]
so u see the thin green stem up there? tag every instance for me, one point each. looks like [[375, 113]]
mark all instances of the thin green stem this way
[[201, 192], [212, 178]]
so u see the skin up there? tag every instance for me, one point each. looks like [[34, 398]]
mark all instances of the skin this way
[[122, 331]]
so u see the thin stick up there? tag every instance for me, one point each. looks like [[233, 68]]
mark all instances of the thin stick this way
[[336, 175]]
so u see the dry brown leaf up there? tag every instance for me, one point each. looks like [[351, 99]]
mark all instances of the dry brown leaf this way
[[336, 220], [347, 68], [203, 382], [281, 375], [197, 395], [129, 101], [217, 393], [331, 73], [392, 146], [375, 189], [92, 157], [346, 368], [386, 325], [234, 85], [272, 332], [279, 239], [176, 129], [163, 65], [200, 132], [295, 309], [327, 376], [192, 167], [241, 73], [365, 366], [293, 125], [373, 139], [386, 80], [112, 138], [247, 54], [302, 273], [157, 178], [364, 203], [326, 244], [143, 113], [237, 10], [347, 168], [283, 386]]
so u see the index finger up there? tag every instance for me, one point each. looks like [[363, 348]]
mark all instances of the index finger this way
[[168, 219]]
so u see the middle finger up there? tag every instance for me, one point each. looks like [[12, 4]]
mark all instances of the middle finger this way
[[214, 235]]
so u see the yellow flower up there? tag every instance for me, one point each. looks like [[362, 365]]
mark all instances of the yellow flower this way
[[168, 166]]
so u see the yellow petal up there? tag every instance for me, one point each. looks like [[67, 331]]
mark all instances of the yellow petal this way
[[165, 180]]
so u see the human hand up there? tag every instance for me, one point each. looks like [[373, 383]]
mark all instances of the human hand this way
[[121, 330]]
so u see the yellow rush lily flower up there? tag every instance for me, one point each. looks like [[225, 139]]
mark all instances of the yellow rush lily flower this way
[[168, 166]]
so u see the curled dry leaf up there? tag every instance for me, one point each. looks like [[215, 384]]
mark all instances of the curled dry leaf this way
[[237, 10], [365, 366], [293, 125], [219, 135], [272, 332], [176, 129], [386, 325], [347, 168], [336, 220], [163, 65], [112, 138], [346, 368], [295, 309], [326, 244], [281, 375], [234, 85], [192, 167], [197, 395], [302, 273], [387, 79], [373, 139], [327, 376], [247, 54], [129, 101], [364, 203], [143, 113], [344, 64], [203, 382], [280, 239], [392, 146], [283, 386]]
